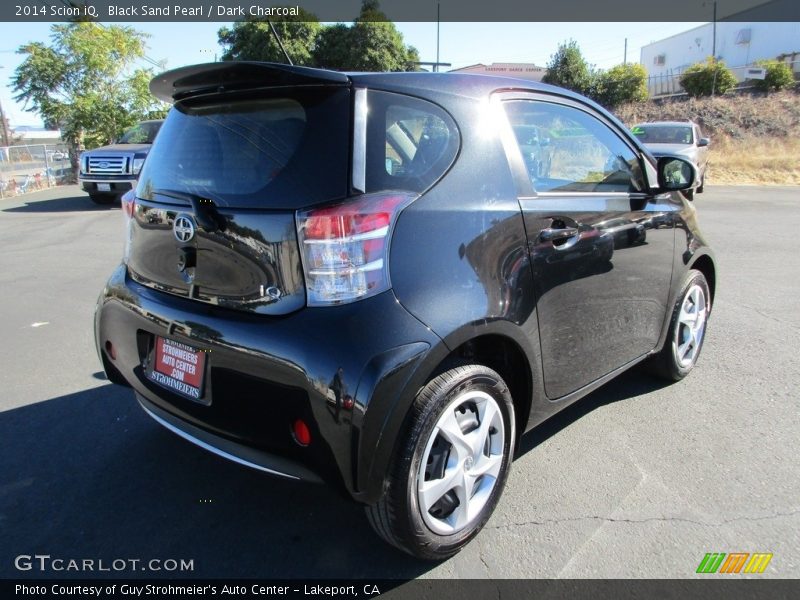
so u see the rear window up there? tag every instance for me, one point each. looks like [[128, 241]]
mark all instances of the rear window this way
[[143, 133], [410, 142], [265, 150]]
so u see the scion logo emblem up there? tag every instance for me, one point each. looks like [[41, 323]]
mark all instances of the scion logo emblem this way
[[183, 228]]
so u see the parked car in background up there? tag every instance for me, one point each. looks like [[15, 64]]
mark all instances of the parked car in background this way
[[57, 155], [677, 138], [108, 172], [359, 279]]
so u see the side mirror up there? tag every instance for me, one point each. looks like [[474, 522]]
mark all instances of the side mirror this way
[[675, 173], [703, 142]]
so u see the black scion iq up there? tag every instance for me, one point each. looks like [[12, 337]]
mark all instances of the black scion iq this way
[[383, 280]]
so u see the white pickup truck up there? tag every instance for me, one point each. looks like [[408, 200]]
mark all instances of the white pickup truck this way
[[108, 172]]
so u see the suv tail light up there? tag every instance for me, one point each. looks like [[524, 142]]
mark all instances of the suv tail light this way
[[345, 247]]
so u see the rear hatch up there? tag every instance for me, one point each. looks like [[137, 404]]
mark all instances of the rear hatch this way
[[243, 148]]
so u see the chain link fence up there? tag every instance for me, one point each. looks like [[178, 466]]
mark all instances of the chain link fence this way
[[35, 167]]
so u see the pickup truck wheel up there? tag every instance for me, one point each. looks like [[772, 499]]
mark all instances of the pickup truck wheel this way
[[451, 464], [103, 198]]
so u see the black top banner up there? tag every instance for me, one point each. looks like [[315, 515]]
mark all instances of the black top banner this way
[[403, 10]]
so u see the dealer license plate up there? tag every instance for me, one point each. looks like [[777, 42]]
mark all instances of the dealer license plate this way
[[103, 187], [178, 367]]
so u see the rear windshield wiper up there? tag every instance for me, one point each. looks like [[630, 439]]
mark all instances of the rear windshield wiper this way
[[205, 211]]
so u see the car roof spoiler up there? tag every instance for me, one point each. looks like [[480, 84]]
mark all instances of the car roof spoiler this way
[[177, 84]]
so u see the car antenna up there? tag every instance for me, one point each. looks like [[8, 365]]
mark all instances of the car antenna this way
[[280, 43]]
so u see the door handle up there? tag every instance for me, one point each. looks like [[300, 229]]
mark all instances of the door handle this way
[[553, 235]]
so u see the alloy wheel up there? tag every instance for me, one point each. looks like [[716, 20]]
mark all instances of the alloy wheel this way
[[691, 326], [461, 463]]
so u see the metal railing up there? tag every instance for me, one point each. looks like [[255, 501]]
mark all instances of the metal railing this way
[[33, 167], [668, 83]]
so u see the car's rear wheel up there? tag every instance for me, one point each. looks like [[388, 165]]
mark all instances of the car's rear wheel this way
[[687, 329], [103, 198], [451, 465]]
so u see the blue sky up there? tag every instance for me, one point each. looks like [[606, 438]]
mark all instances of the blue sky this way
[[461, 44]]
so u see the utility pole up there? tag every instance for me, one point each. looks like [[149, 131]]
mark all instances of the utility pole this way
[[436, 67], [714, 50], [6, 138], [6, 141], [625, 55], [714, 34]]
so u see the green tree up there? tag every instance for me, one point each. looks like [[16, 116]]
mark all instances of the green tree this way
[[334, 48], [708, 78], [620, 85], [252, 39], [85, 84], [779, 76], [567, 68], [371, 43]]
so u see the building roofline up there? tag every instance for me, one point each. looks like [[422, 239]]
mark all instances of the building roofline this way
[[467, 67], [674, 35]]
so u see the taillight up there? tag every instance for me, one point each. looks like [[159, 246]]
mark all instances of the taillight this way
[[128, 202], [345, 247]]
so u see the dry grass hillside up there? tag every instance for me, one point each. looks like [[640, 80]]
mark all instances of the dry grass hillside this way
[[754, 138]]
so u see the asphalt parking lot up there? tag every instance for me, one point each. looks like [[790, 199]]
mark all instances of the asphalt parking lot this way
[[636, 480]]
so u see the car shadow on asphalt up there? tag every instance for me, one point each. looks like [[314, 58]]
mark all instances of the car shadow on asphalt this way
[[631, 383], [89, 475], [36, 204]]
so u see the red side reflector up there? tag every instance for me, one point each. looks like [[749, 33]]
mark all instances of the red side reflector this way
[[110, 350], [302, 435]]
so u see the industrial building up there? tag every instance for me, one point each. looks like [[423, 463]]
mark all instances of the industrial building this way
[[738, 44]]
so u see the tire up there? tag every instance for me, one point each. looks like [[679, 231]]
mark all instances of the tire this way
[[701, 187], [689, 322], [689, 194], [103, 199], [464, 450]]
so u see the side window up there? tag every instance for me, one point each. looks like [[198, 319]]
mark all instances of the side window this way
[[410, 142], [567, 150]]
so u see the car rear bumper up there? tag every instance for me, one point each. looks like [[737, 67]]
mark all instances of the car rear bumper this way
[[343, 370], [239, 453]]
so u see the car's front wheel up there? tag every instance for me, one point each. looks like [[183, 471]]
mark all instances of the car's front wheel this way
[[687, 329], [451, 466]]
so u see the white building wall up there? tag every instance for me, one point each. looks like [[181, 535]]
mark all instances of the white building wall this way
[[766, 41]]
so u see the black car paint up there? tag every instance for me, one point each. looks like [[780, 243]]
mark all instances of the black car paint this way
[[489, 284]]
